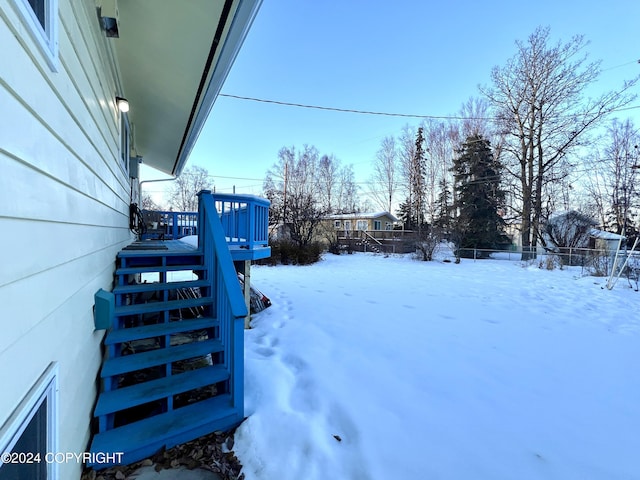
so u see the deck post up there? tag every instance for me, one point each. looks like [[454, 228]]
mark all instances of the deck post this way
[[244, 267]]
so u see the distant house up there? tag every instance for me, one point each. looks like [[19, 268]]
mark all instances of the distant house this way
[[279, 231], [601, 240], [362, 221], [369, 232], [86, 94]]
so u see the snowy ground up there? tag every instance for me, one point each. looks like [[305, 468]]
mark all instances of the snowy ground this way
[[368, 367]]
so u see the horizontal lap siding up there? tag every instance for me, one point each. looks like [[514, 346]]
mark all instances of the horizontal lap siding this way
[[64, 200]]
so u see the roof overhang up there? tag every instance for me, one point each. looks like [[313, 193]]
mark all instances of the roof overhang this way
[[173, 58]]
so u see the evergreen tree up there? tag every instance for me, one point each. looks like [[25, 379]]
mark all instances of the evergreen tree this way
[[412, 210], [418, 180], [479, 196], [444, 208], [407, 213]]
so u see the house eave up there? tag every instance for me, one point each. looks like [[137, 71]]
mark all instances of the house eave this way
[[173, 58]]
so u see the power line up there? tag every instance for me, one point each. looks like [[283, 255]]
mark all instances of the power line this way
[[621, 65], [369, 112], [349, 110]]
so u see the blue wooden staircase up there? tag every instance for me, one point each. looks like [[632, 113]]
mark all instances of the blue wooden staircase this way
[[173, 366]]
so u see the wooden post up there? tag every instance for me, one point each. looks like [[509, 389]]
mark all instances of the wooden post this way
[[244, 267], [247, 292]]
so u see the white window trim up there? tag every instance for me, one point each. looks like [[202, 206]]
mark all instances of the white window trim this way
[[46, 38], [10, 432]]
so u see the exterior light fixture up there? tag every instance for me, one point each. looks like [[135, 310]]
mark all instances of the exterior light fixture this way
[[123, 104], [108, 14]]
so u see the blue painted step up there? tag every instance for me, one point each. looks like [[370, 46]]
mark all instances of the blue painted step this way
[[160, 356], [157, 286], [144, 438], [152, 253], [127, 397], [157, 268], [159, 329], [150, 307]]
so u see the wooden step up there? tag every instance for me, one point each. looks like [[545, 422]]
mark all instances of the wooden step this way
[[144, 438], [151, 307], [127, 397], [157, 286], [157, 268], [151, 253], [160, 356], [159, 329]]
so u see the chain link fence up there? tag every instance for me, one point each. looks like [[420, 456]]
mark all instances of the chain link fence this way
[[592, 261]]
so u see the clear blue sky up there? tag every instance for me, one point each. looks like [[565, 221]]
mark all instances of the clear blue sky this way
[[414, 57]]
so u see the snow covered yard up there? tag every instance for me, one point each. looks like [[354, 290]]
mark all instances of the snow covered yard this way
[[368, 367]]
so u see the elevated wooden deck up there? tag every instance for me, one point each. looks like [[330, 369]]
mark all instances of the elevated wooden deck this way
[[244, 218]]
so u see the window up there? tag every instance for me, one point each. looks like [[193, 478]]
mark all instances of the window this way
[[41, 19], [362, 225], [388, 226], [336, 223], [347, 224], [29, 433], [125, 138], [377, 225]]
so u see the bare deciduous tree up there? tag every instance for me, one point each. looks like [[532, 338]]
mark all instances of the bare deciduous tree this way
[[613, 180], [438, 163], [328, 170], [476, 118], [304, 187], [538, 98], [569, 230], [347, 191], [147, 202], [184, 190], [384, 181]]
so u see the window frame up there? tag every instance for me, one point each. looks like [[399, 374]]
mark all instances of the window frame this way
[[45, 36], [337, 224], [125, 141], [46, 387], [377, 224], [361, 223]]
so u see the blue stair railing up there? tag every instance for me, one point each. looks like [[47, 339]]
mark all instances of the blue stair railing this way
[[230, 305]]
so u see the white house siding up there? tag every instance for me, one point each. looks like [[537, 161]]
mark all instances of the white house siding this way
[[64, 199]]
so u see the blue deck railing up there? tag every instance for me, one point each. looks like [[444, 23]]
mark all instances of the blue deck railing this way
[[244, 218], [169, 225]]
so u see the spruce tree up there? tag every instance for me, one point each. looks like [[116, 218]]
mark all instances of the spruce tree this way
[[412, 210], [444, 208], [419, 187], [478, 224]]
